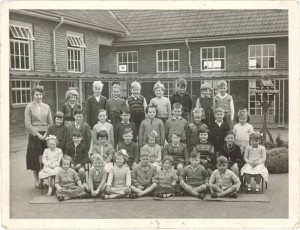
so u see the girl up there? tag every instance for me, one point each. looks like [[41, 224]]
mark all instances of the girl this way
[[205, 101], [70, 106], [67, 182], [255, 157], [59, 130], [119, 178], [51, 158], [242, 130], [103, 125], [97, 176], [115, 105], [153, 149], [165, 180], [162, 103], [149, 124], [193, 129]]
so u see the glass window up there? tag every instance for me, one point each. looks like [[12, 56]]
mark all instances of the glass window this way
[[127, 62], [213, 58], [167, 60], [20, 92], [262, 56], [75, 53]]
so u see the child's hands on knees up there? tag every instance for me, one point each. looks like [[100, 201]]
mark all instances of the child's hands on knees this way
[[58, 188], [140, 187]]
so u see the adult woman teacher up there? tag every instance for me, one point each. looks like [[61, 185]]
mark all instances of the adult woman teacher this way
[[37, 120]]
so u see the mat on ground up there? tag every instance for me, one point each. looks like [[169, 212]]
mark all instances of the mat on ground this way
[[241, 198]]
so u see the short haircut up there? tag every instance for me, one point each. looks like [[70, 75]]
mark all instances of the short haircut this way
[[176, 133], [177, 106], [76, 133], [96, 158], [98, 83], [195, 154], [229, 133], [127, 130], [116, 86], [205, 86], [60, 115], [222, 160], [219, 110], [158, 85], [151, 107], [145, 153], [37, 88], [125, 110], [181, 82], [222, 83], [135, 84], [64, 159], [203, 129], [102, 133], [100, 111], [198, 113], [79, 111], [118, 154], [254, 136], [70, 93], [168, 158]]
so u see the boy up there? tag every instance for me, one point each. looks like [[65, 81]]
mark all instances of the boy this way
[[82, 127], [94, 104], [125, 123], [194, 178], [223, 182], [137, 104], [205, 101], [79, 153], [183, 98], [206, 149], [176, 123], [141, 176], [218, 129], [178, 151], [224, 101], [131, 148], [103, 147]]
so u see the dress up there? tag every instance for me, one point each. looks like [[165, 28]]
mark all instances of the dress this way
[[253, 154], [50, 158], [68, 182], [242, 134], [119, 178]]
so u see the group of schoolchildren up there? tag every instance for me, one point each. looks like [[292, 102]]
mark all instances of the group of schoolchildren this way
[[161, 149]]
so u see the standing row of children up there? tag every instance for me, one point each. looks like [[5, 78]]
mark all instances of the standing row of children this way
[[138, 134]]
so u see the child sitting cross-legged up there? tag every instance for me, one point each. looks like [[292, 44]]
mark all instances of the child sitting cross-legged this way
[[141, 176], [223, 182], [165, 180], [67, 183], [119, 178], [104, 149], [194, 177], [97, 176]]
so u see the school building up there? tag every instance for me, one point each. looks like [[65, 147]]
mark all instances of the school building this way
[[65, 49]]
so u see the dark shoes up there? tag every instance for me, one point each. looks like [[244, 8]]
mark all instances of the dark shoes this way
[[134, 195], [201, 196], [213, 195], [60, 198], [233, 195]]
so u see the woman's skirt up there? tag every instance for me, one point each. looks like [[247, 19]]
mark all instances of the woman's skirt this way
[[35, 148]]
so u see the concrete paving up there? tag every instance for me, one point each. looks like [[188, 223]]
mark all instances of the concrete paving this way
[[22, 191]]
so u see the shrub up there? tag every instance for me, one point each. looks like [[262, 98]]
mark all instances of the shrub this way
[[278, 160]]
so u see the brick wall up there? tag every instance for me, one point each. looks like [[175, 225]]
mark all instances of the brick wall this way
[[107, 59]]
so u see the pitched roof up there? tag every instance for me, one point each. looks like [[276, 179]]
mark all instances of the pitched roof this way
[[100, 18], [147, 25]]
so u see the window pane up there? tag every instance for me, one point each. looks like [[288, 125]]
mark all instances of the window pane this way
[[258, 62], [258, 51], [258, 111], [28, 97], [204, 53], [135, 67], [209, 53], [171, 55], [124, 57], [25, 35], [176, 65], [12, 50], [222, 53], [12, 61], [22, 62], [129, 57], [18, 31], [204, 65], [271, 50], [27, 63], [222, 64], [252, 111], [165, 55], [216, 52], [26, 49], [159, 64], [252, 104], [129, 66], [14, 98], [13, 84], [134, 55], [22, 49], [17, 48], [17, 62], [265, 50], [265, 62], [165, 66], [18, 99], [159, 55], [176, 57], [271, 62], [252, 51], [171, 66], [28, 84]]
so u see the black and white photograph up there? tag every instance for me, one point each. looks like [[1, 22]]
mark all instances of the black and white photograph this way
[[164, 112]]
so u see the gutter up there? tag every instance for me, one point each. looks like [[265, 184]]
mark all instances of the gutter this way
[[54, 44], [190, 55]]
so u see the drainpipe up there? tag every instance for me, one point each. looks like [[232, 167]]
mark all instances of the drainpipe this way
[[54, 46], [190, 55]]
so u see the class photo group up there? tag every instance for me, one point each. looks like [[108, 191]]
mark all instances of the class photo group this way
[[128, 148]]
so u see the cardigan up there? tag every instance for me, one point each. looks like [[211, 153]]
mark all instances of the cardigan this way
[[92, 108], [37, 118], [142, 175], [179, 154], [84, 129], [69, 111], [79, 154], [107, 152], [132, 151], [184, 99], [218, 134], [179, 125], [148, 125], [233, 154]]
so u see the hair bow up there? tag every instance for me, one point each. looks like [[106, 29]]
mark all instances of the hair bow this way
[[123, 151], [51, 137]]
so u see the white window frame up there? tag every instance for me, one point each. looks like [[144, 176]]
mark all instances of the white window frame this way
[[77, 48], [213, 58], [128, 62], [22, 40], [257, 106], [25, 89], [261, 56], [168, 60]]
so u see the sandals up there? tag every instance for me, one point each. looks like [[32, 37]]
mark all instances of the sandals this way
[[249, 190], [257, 190]]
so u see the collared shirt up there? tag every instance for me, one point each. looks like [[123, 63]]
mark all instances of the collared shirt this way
[[97, 97], [77, 126], [71, 105], [219, 123]]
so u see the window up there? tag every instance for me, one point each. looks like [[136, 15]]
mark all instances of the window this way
[[75, 52], [254, 102], [127, 62], [262, 56], [212, 58], [170, 88], [167, 60], [73, 85], [20, 92], [21, 39]]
